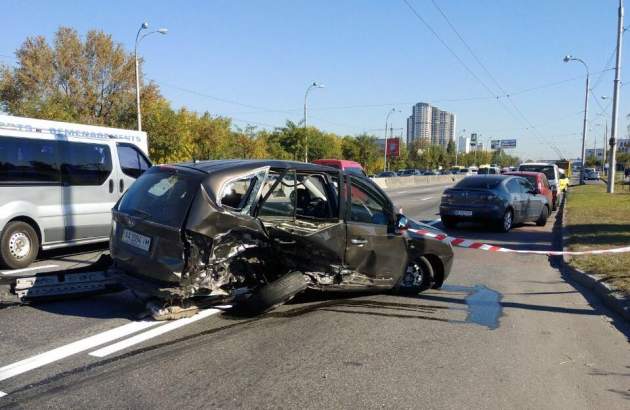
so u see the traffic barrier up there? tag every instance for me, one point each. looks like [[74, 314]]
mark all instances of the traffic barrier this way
[[416, 180], [466, 243]]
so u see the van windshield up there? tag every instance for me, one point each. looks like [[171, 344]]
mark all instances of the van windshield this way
[[161, 195]]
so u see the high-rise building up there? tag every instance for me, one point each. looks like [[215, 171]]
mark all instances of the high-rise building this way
[[464, 145], [431, 124]]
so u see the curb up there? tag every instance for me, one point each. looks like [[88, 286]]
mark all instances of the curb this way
[[614, 300]]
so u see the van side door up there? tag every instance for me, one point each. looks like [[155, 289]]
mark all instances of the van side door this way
[[88, 195], [132, 163]]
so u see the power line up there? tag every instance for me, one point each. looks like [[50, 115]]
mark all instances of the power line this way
[[552, 146]]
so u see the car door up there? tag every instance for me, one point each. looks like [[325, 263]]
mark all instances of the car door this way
[[516, 198], [88, 193], [132, 163], [373, 249], [533, 202], [300, 213]]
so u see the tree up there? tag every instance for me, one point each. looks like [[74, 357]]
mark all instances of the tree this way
[[89, 81]]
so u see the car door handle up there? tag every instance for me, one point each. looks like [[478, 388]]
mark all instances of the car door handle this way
[[359, 242], [281, 242], [121, 185], [111, 186]]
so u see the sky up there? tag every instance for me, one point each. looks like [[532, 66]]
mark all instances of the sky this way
[[252, 60]]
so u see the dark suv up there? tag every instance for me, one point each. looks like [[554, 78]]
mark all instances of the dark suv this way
[[257, 232]]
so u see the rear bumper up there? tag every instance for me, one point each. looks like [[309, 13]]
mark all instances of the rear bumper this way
[[477, 213]]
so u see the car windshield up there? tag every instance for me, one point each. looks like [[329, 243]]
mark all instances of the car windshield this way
[[482, 182], [548, 170]]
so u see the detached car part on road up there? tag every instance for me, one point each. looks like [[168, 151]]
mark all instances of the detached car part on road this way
[[255, 233]]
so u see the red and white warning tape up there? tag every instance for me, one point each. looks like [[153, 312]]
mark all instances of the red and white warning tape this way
[[465, 243]]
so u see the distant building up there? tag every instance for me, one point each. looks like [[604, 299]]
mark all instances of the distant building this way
[[431, 124], [598, 153], [623, 145], [463, 146]]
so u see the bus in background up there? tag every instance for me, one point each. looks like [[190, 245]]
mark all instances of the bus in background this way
[[350, 167], [59, 182]]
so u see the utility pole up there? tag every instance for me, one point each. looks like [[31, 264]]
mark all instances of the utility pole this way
[[605, 139], [612, 163]]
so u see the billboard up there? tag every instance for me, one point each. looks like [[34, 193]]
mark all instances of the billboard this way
[[473, 139], [393, 147], [502, 144]]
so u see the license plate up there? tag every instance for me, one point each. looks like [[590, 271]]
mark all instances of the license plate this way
[[461, 212], [136, 240]]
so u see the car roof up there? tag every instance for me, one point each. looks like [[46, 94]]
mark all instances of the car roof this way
[[489, 177], [537, 164]]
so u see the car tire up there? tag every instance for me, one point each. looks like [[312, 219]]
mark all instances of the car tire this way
[[418, 277], [272, 294], [19, 245], [544, 214], [506, 222], [449, 222]]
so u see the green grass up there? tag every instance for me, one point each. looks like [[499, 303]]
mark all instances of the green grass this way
[[597, 220]]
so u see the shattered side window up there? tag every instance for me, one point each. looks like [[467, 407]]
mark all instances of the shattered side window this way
[[236, 193], [280, 203]]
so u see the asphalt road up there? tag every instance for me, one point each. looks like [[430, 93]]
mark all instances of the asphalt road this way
[[506, 331]]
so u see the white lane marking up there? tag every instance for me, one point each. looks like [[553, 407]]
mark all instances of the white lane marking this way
[[2, 394], [434, 221], [12, 271], [427, 198], [123, 344], [79, 346]]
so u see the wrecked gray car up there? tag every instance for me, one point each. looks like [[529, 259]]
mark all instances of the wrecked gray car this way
[[255, 233]]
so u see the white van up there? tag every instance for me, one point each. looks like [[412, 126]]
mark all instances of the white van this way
[[59, 182]]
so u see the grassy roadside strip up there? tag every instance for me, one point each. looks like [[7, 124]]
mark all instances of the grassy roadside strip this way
[[596, 220]]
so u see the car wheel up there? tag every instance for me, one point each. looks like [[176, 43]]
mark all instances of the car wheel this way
[[544, 214], [449, 222], [417, 277], [19, 245], [506, 222], [272, 294]]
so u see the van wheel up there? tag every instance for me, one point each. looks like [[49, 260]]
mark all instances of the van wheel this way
[[272, 294], [19, 245]]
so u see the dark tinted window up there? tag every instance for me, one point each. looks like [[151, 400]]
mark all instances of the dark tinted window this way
[[548, 170], [355, 171], [162, 196], [482, 182], [532, 179], [526, 186], [28, 161], [84, 164], [132, 162], [366, 206]]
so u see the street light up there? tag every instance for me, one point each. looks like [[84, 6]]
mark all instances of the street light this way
[[315, 84], [390, 112], [143, 26], [566, 60]]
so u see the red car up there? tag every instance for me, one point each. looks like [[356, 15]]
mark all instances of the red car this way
[[349, 166], [539, 180]]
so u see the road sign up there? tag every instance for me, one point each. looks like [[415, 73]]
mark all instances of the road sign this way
[[495, 144], [508, 144]]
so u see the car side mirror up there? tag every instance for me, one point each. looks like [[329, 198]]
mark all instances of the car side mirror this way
[[401, 221]]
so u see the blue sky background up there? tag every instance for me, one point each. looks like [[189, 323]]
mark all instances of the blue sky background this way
[[371, 55]]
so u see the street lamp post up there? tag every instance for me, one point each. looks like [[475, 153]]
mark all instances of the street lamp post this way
[[143, 26], [612, 161], [566, 60], [390, 112], [315, 84]]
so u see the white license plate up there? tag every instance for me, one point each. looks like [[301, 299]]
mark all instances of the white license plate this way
[[461, 212], [136, 240]]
